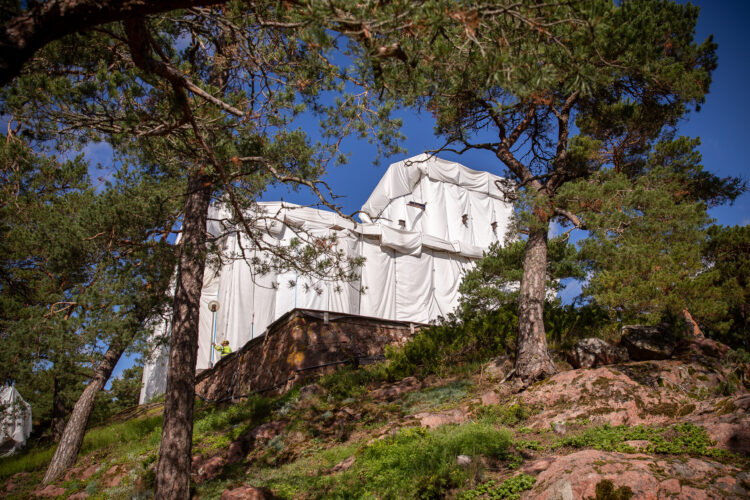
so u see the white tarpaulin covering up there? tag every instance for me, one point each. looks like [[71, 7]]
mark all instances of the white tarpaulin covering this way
[[425, 223], [154, 380], [15, 423]]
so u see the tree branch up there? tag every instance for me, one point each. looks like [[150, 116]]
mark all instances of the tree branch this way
[[573, 218], [26, 33]]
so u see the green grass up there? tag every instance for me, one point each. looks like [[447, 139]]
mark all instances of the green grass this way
[[417, 463], [679, 439], [434, 397], [507, 415], [211, 418], [29, 460], [126, 433], [509, 489], [303, 477], [350, 382], [111, 436]]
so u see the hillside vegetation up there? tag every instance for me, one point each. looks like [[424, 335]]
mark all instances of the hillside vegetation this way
[[673, 427]]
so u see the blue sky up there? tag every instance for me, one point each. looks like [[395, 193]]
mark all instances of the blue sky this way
[[721, 124]]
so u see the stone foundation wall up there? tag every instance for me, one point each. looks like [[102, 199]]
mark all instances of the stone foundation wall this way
[[303, 343]]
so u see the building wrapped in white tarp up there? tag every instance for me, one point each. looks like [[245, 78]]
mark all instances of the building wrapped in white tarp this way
[[15, 421], [425, 222]]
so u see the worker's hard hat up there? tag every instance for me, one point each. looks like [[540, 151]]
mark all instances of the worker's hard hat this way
[[224, 342]]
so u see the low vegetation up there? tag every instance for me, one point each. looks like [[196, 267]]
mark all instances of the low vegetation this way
[[341, 439], [510, 489], [679, 439]]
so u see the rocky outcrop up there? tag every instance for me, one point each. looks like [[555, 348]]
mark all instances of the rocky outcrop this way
[[82, 473], [391, 391], [49, 491], [649, 478], [342, 466], [311, 391], [692, 387], [207, 468], [593, 352], [645, 343], [245, 493], [434, 420], [114, 476], [499, 368]]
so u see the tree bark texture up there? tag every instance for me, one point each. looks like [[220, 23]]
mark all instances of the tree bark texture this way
[[173, 471], [533, 361], [72, 436], [57, 425]]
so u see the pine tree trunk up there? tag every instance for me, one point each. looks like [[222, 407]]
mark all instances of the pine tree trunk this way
[[57, 425], [72, 436], [533, 361], [173, 471]]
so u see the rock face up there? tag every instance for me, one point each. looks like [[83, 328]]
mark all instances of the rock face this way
[[593, 352], [244, 493], [392, 391], [311, 391], [650, 478], [647, 342], [499, 367], [49, 491], [207, 468], [435, 420], [687, 388]]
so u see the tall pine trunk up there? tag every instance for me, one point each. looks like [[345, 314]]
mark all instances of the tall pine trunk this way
[[72, 436], [57, 424], [173, 471], [533, 361]]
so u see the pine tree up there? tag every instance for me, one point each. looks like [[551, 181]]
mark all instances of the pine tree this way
[[494, 281], [646, 226], [43, 264], [726, 251], [76, 289], [217, 116], [556, 92]]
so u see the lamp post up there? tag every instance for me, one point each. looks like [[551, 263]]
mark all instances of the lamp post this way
[[213, 306]]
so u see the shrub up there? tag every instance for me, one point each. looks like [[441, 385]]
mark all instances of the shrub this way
[[350, 381], [510, 415], [442, 346], [479, 337], [388, 468]]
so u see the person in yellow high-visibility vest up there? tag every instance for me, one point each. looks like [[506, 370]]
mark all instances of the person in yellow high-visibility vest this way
[[224, 348]]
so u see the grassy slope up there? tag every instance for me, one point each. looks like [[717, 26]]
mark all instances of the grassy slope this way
[[393, 457]]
